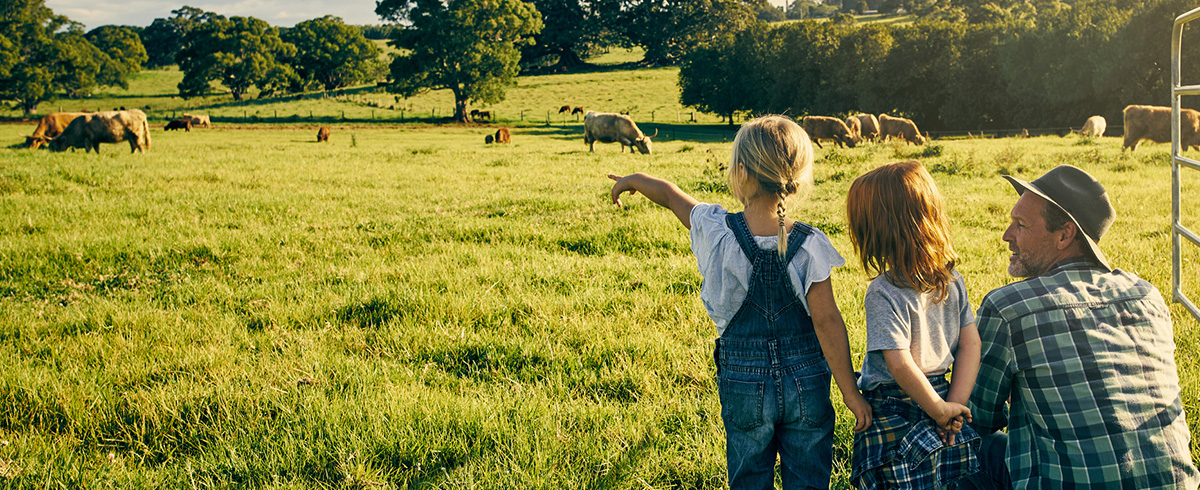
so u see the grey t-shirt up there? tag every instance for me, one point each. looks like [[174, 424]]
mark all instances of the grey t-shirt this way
[[902, 318]]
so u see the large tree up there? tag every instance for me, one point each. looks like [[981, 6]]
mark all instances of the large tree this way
[[239, 52], [163, 38], [122, 44], [332, 53], [572, 30], [668, 29], [470, 47], [43, 55]]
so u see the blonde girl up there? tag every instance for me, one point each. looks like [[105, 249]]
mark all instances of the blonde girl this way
[[919, 325], [767, 287]]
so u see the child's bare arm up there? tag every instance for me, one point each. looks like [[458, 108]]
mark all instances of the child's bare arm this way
[[831, 334], [914, 383], [966, 365], [661, 192]]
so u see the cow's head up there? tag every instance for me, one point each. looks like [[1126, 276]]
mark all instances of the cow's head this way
[[35, 142], [58, 144], [643, 143]]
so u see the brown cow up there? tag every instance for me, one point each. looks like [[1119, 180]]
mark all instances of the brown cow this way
[[899, 127], [868, 127], [184, 124], [323, 134], [502, 136], [577, 110], [49, 127], [563, 109], [483, 115], [855, 128], [89, 130], [1144, 122], [607, 127], [827, 128]]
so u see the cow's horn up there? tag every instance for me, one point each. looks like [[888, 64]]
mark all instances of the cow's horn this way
[[655, 133]]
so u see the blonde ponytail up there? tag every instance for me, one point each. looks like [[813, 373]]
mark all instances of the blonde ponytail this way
[[783, 236]]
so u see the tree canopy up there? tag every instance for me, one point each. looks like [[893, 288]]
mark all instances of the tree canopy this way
[[470, 47], [332, 53], [43, 55], [571, 30], [163, 38], [240, 53]]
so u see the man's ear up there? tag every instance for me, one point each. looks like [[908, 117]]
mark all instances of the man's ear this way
[[1067, 235]]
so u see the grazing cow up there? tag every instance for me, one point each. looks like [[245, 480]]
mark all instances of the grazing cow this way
[[482, 115], [577, 110], [487, 140], [49, 127], [868, 127], [89, 130], [827, 128], [502, 136], [1094, 127], [855, 128], [563, 109], [199, 121], [899, 127], [474, 113], [1144, 122], [184, 124], [323, 134], [607, 127]]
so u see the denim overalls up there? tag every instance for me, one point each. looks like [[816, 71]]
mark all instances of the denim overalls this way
[[772, 377]]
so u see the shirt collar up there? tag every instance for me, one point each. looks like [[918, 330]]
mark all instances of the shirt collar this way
[[1073, 263]]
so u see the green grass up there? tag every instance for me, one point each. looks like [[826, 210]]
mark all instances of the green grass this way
[[407, 307]]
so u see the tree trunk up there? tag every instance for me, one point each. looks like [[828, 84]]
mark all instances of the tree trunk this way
[[460, 107]]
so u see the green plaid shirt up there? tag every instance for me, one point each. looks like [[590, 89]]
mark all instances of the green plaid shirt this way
[[1087, 357]]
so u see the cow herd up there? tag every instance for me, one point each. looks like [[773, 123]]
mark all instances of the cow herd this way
[[62, 130]]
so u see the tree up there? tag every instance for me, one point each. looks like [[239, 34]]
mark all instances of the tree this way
[[571, 30], [43, 55], [163, 38], [470, 47], [668, 28], [122, 44], [80, 66], [239, 52], [729, 74], [332, 53]]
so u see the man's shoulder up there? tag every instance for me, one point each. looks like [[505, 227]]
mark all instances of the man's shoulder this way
[[1066, 288]]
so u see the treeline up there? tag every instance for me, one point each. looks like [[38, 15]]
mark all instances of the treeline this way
[[972, 67], [44, 56]]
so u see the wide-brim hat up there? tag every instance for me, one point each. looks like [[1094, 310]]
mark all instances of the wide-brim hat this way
[[1079, 195]]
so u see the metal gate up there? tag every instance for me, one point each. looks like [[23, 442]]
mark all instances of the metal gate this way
[[1178, 163]]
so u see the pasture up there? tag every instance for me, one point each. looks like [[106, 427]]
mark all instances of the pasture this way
[[406, 307]]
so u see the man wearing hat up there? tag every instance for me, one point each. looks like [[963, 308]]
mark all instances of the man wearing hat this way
[[1082, 353]]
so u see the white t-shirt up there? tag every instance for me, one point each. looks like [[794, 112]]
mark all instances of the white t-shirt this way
[[726, 269]]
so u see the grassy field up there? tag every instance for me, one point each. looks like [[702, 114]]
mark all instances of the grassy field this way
[[406, 307]]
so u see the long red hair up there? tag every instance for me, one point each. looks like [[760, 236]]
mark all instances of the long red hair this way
[[900, 228]]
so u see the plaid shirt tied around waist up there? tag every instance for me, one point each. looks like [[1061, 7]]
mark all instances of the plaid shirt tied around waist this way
[[1088, 359], [902, 449]]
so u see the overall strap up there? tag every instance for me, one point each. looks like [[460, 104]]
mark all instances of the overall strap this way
[[799, 234], [741, 231]]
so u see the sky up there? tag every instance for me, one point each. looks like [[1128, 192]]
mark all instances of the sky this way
[[279, 13]]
